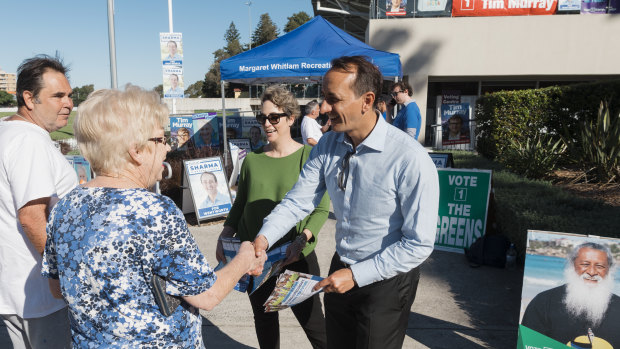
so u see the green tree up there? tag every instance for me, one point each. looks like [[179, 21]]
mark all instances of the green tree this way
[[265, 31], [159, 89], [211, 84], [232, 36], [7, 99], [296, 20], [81, 93], [194, 90]]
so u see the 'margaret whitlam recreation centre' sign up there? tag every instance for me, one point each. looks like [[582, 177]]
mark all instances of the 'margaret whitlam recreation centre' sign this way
[[463, 204]]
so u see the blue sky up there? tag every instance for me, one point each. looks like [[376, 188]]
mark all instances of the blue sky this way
[[78, 30]]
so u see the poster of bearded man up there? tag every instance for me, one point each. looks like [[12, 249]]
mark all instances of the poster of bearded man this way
[[570, 292]]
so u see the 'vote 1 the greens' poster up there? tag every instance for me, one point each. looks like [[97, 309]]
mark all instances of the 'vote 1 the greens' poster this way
[[463, 204]]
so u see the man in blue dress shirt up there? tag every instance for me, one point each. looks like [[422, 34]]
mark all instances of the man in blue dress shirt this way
[[385, 194]]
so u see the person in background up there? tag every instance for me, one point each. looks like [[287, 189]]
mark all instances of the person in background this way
[[385, 194], [107, 238], [267, 174], [34, 175], [383, 107], [408, 118], [311, 131]]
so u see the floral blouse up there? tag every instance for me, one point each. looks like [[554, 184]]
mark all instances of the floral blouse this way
[[104, 244]]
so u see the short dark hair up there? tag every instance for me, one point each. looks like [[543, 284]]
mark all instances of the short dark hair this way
[[367, 78], [403, 86], [30, 75]]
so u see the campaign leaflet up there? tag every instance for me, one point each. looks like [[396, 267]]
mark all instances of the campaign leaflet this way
[[291, 288], [272, 266], [181, 130], [206, 129], [209, 187]]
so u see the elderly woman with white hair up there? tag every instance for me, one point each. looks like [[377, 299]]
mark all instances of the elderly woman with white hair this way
[[107, 238]]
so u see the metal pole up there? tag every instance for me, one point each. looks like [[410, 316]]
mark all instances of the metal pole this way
[[113, 80], [224, 124], [170, 30], [249, 3]]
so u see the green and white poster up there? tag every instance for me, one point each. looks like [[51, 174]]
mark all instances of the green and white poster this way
[[463, 204]]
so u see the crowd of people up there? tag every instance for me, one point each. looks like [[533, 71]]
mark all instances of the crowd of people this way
[[77, 261]]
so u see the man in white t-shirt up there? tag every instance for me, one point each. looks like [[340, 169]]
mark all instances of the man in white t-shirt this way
[[35, 174], [311, 131]]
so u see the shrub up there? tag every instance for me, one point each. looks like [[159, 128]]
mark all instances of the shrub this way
[[534, 159]]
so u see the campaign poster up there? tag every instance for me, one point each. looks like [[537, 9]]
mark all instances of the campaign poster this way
[[171, 49], [234, 128], [570, 292], [206, 130], [463, 205], [209, 187], [470, 8], [254, 131], [455, 124], [450, 97], [434, 8], [239, 148], [569, 5], [181, 131], [593, 7], [173, 82], [396, 8], [82, 168]]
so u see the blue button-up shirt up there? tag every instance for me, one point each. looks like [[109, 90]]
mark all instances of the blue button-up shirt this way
[[387, 214]]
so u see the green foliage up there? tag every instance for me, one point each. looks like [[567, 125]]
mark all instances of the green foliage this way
[[210, 86], [81, 93], [194, 90], [521, 115], [232, 36], [159, 89], [523, 204], [7, 99], [534, 159], [597, 147], [296, 20], [265, 31]]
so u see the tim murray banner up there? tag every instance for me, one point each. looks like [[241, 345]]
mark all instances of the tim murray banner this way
[[471, 8]]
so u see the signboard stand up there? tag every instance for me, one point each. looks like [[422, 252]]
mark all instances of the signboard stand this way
[[208, 186]]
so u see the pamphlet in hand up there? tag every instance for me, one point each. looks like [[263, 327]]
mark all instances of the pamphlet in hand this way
[[272, 266], [291, 288]]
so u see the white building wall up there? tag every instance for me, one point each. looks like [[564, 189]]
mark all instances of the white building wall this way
[[516, 46]]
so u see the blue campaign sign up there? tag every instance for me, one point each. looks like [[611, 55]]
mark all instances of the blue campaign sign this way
[[208, 186]]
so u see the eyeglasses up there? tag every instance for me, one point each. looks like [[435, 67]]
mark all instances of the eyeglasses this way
[[162, 140], [395, 93], [273, 118], [342, 178]]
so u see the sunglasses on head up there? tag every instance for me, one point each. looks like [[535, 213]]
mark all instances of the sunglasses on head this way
[[273, 118]]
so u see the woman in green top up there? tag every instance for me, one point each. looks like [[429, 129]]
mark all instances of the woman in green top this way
[[266, 176]]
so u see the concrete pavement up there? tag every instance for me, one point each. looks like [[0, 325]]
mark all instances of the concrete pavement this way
[[456, 306]]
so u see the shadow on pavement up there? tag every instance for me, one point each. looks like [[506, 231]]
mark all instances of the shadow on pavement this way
[[213, 337], [480, 305]]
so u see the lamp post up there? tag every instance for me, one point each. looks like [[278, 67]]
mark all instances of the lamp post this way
[[249, 3]]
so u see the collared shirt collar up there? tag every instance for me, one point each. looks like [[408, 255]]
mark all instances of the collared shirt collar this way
[[376, 138]]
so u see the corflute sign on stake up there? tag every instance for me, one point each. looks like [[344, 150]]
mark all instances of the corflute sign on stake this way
[[463, 204]]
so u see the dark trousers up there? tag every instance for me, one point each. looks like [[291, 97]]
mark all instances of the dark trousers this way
[[373, 316], [309, 313]]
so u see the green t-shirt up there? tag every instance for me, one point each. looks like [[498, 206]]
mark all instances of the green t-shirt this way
[[263, 183]]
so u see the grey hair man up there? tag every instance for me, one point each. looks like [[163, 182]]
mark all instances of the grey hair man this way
[[36, 174], [311, 131], [584, 310]]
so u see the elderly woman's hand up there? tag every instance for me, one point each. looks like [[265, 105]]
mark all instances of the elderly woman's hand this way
[[254, 260]]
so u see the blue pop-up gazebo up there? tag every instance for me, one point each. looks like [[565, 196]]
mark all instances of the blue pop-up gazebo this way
[[301, 56]]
